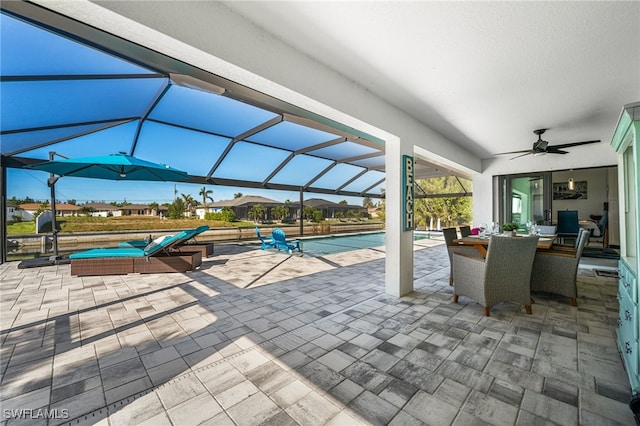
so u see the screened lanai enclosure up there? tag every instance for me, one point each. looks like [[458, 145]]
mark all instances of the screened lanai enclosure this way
[[74, 90], [67, 96]]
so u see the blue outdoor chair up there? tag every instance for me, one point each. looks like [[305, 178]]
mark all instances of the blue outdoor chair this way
[[267, 242], [280, 241]]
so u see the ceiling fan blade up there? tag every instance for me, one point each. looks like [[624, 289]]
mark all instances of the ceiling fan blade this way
[[528, 151], [521, 155], [554, 150], [569, 145]]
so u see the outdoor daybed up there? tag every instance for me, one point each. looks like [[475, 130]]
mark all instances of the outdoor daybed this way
[[184, 246], [156, 257]]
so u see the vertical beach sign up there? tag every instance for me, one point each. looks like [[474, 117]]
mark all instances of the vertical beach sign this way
[[407, 193]]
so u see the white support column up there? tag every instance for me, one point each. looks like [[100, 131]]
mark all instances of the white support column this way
[[399, 243]]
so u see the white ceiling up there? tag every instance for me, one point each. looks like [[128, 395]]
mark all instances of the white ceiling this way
[[483, 74]]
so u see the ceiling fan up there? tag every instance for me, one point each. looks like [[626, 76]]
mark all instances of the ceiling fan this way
[[541, 147]]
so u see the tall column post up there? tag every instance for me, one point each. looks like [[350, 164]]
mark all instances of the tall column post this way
[[399, 242]]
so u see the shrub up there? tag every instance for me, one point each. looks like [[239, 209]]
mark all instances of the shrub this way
[[225, 215]]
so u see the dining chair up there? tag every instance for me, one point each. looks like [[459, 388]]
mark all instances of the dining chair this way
[[602, 227], [451, 234], [555, 271], [503, 276], [465, 231], [568, 224]]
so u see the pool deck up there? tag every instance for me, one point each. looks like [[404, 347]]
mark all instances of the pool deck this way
[[257, 337]]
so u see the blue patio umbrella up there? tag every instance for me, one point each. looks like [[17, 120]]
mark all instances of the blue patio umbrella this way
[[111, 167]]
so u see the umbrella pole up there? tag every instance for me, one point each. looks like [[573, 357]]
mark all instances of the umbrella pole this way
[[54, 226]]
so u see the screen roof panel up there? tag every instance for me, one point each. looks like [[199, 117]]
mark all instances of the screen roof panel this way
[[35, 104], [208, 112], [371, 162], [29, 51], [343, 150], [337, 176], [365, 181], [248, 161], [377, 190], [23, 141], [301, 170], [167, 144], [291, 136], [109, 141]]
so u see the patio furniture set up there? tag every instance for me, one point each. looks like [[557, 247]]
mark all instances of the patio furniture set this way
[[502, 268], [168, 253]]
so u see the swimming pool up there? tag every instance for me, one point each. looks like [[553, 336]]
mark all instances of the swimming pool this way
[[321, 246]]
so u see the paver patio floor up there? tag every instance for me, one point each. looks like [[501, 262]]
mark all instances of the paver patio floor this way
[[257, 337]]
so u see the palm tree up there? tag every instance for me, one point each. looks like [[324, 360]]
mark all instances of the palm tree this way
[[176, 209], [204, 192], [189, 202], [367, 202], [280, 213], [257, 212]]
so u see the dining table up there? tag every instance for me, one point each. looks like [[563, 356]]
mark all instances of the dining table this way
[[481, 243]]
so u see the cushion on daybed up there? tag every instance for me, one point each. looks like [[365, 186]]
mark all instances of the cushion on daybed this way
[[151, 249], [108, 252]]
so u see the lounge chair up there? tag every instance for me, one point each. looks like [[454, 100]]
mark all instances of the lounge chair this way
[[159, 256], [267, 242], [280, 241], [205, 248]]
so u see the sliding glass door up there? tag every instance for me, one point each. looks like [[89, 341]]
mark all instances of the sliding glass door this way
[[526, 198]]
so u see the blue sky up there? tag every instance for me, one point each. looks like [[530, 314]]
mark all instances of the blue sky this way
[[31, 183]]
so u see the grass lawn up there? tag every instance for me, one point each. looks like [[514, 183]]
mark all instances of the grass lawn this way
[[126, 223], [19, 228], [123, 223]]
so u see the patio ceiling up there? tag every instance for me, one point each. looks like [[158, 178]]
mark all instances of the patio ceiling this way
[[70, 96]]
